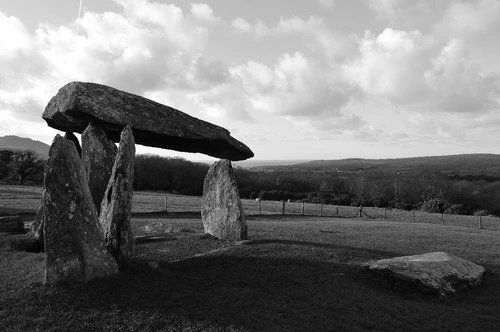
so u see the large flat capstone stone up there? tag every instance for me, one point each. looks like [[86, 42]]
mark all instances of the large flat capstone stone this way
[[77, 104], [436, 272]]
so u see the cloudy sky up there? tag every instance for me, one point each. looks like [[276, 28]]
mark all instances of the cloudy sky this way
[[293, 79]]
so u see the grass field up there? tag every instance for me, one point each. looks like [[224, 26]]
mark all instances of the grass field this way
[[296, 274]]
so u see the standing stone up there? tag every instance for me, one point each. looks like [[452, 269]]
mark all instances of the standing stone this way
[[70, 136], [116, 206], [221, 208], [36, 230], [98, 155], [74, 245]]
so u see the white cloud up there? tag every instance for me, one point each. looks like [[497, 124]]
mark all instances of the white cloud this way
[[203, 12], [258, 30], [385, 9], [418, 72], [326, 3], [295, 88]]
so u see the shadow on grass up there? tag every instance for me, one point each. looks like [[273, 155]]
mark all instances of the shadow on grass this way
[[257, 293]]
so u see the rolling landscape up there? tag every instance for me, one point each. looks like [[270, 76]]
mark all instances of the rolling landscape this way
[[248, 166]]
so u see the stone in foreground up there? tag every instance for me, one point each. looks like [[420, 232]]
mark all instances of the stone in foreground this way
[[116, 206], [221, 208], [11, 224], [74, 244], [98, 156], [77, 104], [436, 272]]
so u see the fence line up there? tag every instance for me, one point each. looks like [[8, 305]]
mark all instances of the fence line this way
[[146, 202]]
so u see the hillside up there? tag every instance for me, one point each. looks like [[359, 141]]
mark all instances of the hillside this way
[[22, 143], [460, 165]]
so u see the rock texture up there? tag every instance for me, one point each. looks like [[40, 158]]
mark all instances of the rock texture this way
[[98, 155], [116, 206], [77, 104], [436, 272], [11, 224], [74, 244], [70, 136], [36, 230], [221, 208]]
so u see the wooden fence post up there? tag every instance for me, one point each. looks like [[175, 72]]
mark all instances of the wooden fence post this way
[[337, 211], [385, 213], [442, 218], [302, 208], [361, 211], [283, 209], [260, 208], [166, 204], [480, 222]]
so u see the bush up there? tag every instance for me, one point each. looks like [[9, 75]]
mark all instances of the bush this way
[[481, 213], [433, 205], [456, 209]]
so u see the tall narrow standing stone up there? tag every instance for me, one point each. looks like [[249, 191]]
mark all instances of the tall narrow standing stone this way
[[74, 245], [116, 205], [98, 155], [221, 209]]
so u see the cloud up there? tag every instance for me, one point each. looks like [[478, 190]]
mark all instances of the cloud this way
[[258, 30], [326, 3], [421, 73], [385, 9], [203, 12], [295, 88]]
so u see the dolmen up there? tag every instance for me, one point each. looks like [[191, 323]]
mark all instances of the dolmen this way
[[84, 220]]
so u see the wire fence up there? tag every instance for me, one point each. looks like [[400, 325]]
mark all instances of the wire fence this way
[[19, 199], [171, 203]]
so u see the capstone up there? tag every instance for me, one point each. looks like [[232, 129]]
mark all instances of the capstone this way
[[78, 103]]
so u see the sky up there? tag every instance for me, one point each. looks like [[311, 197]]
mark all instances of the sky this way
[[292, 79]]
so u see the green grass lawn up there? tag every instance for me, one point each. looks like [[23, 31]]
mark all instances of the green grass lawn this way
[[297, 274]]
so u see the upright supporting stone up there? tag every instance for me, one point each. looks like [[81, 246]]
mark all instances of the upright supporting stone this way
[[74, 245], [98, 155], [36, 230], [221, 208], [70, 136], [116, 205]]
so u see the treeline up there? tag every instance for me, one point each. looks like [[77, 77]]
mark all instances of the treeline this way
[[21, 167], [175, 175], [428, 190]]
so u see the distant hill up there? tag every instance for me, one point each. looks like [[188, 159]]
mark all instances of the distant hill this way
[[471, 164], [22, 143]]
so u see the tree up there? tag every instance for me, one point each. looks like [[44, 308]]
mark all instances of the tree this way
[[27, 163], [5, 163]]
